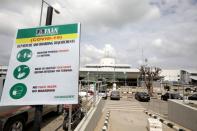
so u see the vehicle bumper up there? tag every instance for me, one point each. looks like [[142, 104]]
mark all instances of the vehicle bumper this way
[[105, 97], [144, 99], [115, 98]]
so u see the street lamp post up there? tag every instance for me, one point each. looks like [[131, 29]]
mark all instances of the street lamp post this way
[[125, 76], [41, 13], [39, 108], [114, 74], [49, 13], [87, 88]]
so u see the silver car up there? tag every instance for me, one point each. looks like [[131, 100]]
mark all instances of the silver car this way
[[115, 95]]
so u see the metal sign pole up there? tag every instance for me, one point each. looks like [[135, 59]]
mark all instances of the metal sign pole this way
[[183, 87], [70, 118], [39, 108], [38, 117]]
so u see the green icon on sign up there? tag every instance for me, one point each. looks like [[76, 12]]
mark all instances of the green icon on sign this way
[[21, 72], [24, 55], [18, 91]]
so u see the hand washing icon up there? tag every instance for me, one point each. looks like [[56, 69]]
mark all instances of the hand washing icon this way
[[21, 72]]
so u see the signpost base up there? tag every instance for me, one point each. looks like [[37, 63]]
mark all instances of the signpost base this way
[[38, 117]]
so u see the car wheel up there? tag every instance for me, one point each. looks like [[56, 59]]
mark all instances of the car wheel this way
[[15, 124], [59, 110]]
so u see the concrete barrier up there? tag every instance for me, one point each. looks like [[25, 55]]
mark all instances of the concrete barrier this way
[[89, 122], [106, 123], [182, 114], [168, 123]]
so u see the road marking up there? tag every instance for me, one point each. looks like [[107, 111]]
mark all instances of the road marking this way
[[126, 106], [126, 110]]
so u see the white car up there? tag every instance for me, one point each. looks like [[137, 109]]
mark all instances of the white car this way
[[103, 94], [82, 93]]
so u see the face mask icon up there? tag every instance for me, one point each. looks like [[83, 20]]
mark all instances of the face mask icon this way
[[18, 91], [14, 93]]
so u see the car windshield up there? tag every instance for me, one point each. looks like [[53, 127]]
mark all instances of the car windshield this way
[[115, 92], [144, 93], [176, 95], [194, 95]]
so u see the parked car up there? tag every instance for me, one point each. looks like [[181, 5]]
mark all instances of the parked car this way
[[103, 93], [115, 95], [90, 93], [142, 96], [193, 97], [168, 95], [10, 116], [82, 93]]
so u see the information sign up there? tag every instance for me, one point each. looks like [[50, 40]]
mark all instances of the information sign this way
[[44, 67]]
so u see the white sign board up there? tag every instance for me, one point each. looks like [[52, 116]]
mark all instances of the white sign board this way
[[44, 67]]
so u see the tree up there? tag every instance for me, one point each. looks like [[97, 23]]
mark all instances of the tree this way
[[149, 74]]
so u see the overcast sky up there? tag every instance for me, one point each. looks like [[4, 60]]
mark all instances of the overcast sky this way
[[163, 31]]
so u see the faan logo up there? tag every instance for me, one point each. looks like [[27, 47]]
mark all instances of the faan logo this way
[[48, 31]]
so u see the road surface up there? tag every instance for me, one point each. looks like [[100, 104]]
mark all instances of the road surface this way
[[125, 114], [158, 106]]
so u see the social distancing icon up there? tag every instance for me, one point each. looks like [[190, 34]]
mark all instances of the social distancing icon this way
[[24, 55]]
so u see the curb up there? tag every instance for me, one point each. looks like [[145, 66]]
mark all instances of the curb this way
[[105, 127], [169, 124]]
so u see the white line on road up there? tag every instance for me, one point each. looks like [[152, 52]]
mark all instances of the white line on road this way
[[125, 110]]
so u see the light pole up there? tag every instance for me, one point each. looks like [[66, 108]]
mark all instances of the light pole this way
[[49, 13], [125, 84], [87, 88], [125, 76], [39, 108]]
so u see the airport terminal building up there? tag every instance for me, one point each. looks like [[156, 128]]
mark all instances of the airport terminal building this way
[[108, 70], [124, 75]]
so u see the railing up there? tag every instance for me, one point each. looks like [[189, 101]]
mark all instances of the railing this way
[[78, 113]]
